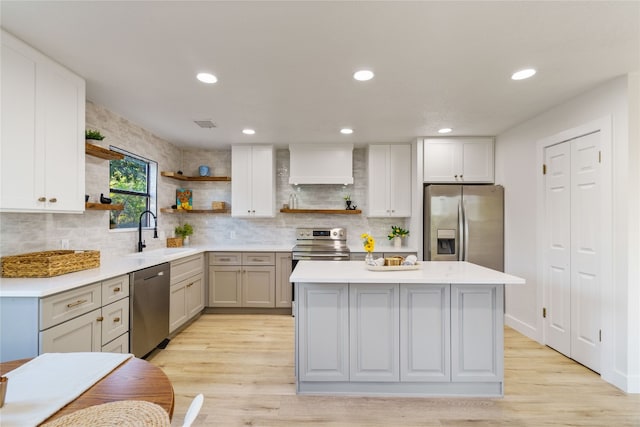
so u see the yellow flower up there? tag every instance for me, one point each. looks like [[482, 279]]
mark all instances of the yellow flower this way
[[369, 242]]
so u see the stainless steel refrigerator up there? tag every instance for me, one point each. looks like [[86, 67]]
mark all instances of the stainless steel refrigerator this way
[[464, 223]]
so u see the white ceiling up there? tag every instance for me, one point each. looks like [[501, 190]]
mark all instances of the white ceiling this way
[[285, 68]]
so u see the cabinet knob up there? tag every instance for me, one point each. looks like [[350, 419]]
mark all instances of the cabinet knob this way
[[116, 319], [53, 200], [116, 290], [42, 199], [455, 176], [460, 176], [100, 319]]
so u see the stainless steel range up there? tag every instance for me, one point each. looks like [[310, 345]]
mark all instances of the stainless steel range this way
[[321, 244], [318, 244]]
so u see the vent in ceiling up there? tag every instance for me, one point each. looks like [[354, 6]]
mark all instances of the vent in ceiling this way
[[205, 123]]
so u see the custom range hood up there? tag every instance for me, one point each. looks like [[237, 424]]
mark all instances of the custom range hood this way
[[321, 164]]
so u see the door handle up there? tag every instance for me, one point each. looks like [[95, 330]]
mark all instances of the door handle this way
[[460, 232], [466, 232]]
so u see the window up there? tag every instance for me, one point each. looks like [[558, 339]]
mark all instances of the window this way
[[133, 183]]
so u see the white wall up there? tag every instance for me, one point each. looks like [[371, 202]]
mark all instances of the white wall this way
[[516, 170]]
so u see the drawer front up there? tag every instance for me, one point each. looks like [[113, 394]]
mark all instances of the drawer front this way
[[115, 320], [80, 334], [119, 345], [225, 258], [259, 258], [115, 289], [186, 267], [67, 305]]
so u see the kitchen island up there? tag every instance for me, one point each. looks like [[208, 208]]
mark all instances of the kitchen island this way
[[433, 331]]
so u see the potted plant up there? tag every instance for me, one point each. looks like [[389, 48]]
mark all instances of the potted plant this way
[[184, 231], [93, 134], [347, 200], [397, 233]]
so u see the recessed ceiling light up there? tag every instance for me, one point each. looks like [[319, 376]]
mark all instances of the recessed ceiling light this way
[[444, 130], [523, 74], [346, 131], [363, 75], [207, 78], [248, 131]]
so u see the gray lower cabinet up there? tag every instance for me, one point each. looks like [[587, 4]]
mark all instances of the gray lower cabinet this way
[[187, 290], [249, 279], [418, 339], [424, 333], [374, 339], [89, 318], [323, 336], [284, 288], [477, 333]]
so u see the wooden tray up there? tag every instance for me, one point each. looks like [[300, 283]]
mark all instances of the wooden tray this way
[[416, 266], [49, 263]]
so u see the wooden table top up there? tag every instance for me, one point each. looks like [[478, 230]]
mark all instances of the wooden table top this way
[[135, 379]]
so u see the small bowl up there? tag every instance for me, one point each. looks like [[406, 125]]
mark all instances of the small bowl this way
[[393, 261]]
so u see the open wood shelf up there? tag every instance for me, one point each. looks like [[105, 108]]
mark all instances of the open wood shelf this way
[[102, 207], [213, 211], [103, 153], [194, 178], [324, 211]]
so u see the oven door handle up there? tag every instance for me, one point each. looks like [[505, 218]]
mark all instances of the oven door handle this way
[[316, 256]]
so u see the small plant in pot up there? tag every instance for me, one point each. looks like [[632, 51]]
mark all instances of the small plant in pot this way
[[396, 235], [184, 231], [93, 134]]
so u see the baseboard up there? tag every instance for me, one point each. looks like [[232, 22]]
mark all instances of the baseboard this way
[[247, 310], [524, 328]]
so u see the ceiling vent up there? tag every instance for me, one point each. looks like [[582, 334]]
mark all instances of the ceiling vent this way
[[205, 123], [321, 164]]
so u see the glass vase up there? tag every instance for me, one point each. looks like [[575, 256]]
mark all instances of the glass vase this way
[[368, 258]]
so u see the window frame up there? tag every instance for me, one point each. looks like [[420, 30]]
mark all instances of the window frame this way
[[152, 188]]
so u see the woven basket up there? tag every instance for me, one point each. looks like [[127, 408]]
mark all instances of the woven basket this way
[[174, 242], [49, 263], [218, 206]]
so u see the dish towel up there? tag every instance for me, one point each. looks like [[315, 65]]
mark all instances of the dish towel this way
[[40, 387]]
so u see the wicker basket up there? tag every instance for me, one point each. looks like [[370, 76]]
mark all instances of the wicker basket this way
[[174, 242], [49, 263], [218, 206]]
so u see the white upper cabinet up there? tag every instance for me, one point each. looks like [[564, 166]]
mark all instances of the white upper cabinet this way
[[253, 182], [390, 180], [458, 160], [42, 142]]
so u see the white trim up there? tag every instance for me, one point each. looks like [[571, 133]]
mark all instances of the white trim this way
[[604, 126]]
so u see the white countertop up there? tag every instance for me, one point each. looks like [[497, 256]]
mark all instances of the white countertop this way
[[431, 272], [115, 266]]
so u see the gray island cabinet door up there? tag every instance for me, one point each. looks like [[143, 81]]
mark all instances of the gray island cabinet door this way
[[374, 332], [323, 335], [477, 333], [425, 329]]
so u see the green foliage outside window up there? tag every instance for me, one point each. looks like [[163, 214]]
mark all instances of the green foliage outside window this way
[[129, 184]]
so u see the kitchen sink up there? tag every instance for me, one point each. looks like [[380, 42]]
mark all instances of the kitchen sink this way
[[161, 253]]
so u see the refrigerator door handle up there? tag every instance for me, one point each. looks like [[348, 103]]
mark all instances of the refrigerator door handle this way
[[466, 232], [461, 242]]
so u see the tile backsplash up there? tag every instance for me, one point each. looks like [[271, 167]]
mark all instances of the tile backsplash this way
[[20, 233]]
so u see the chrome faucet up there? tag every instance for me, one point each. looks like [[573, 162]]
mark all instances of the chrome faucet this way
[[141, 244]]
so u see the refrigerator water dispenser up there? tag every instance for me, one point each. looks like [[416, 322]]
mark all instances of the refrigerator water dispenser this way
[[446, 242]]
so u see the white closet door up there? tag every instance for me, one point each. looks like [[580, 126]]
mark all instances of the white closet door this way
[[585, 250], [557, 269], [573, 255]]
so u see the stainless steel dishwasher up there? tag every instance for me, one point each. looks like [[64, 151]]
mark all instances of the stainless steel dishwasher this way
[[149, 309]]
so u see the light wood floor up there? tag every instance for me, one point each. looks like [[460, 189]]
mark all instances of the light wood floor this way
[[243, 364]]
